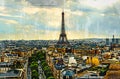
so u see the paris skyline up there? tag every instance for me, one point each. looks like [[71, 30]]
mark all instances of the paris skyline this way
[[38, 19]]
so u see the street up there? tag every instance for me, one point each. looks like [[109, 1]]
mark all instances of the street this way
[[41, 72]]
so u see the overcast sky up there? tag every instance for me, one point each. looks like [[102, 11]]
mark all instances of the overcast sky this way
[[41, 19]]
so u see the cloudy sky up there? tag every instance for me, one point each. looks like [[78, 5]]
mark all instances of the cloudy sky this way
[[41, 19]]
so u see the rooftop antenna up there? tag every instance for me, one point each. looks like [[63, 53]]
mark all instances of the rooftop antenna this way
[[63, 6]]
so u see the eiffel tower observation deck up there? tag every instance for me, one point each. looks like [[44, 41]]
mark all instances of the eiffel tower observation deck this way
[[63, 37]]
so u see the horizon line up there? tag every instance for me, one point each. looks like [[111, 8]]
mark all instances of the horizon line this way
[[55, 39]]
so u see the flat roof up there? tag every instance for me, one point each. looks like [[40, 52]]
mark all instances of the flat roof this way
[[10, 55], [2, 64], [11, 73], [86, 76]]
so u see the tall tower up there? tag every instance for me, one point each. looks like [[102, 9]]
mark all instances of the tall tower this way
[[63, 37], [113, 40], [107, 41], [117, 41]]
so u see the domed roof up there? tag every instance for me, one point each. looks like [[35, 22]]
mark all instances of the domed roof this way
[[68, 72]]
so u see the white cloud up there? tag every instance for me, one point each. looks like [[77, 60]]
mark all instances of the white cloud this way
[[51, 17], [77, 12], [99, 4], [30, 10], [47, 16], [2, 2], [102, 14], [8, 15], [2, 8], [8, 21]]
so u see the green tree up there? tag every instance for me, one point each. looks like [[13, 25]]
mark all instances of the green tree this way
[[19, 64], [35, 74], [44, 64], [46, 69], [49, 73], [34, 65], [50, 77]]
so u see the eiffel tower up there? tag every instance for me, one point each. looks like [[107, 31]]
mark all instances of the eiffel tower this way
[[63, 37]]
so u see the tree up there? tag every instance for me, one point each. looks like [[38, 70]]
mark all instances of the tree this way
[[33, 58], [35, 74], [40, 55], [46, 68], [34, 65], [19, 64], [44, 64], [50, 77], [49, 74]]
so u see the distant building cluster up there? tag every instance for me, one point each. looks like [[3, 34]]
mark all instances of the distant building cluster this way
[[112, 41]]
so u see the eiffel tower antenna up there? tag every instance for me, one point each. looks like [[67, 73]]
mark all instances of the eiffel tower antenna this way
[[63, 7]]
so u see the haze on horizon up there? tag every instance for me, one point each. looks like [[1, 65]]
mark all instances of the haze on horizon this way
[[38, 19]]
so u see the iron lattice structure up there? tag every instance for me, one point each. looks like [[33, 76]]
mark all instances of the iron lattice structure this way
[[63, 37]]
